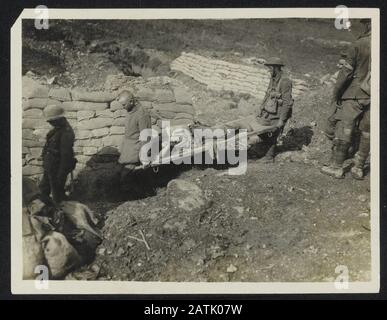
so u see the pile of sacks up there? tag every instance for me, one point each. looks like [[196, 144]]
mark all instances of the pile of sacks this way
[[61, 238]]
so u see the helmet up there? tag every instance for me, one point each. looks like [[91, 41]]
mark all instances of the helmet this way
[[274, 61], [53, 112]]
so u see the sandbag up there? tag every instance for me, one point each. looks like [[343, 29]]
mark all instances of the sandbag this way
[[183, 115], [32, 250], [61, 94], [93, 96], [176, 108], [61, 256]]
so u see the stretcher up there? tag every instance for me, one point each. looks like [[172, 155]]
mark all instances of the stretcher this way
[[196, 148]]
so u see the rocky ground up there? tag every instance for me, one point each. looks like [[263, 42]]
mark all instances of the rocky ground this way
[[279, 222]]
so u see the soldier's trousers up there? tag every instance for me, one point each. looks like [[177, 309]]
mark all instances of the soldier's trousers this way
[[54, 184], [348, 115]]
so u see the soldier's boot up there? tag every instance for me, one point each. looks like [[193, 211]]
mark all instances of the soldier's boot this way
[[270, 154], [339, 153], [360, 158]]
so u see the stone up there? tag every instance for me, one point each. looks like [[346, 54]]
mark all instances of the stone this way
[[185, 195], [117, 130], [33, 113], [100, 132], [25, 150], [85, 114], [82, 143], [82, 105], [92, 96], [61, 94]]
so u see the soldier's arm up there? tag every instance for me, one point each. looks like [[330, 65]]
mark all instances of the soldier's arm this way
[[287, 100], [66, 152], [345, 74]]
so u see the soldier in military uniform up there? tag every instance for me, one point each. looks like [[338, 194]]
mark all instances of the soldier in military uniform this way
[[352, 94], [276, 108], [58, 155], [137, 119]]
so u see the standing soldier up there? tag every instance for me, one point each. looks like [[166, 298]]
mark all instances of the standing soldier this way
[[352, 92], [137, 119], [58, 155], [276, 108]]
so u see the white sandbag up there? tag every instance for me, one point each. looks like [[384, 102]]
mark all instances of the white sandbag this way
[[60, 255], [81, 105], [33, 255], [61, 94]]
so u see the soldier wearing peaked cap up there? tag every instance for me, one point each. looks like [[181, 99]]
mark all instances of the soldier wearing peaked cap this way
[[276, 108], [58, 155]]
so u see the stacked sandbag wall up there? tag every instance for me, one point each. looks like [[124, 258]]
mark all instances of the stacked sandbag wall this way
[[220, 75]]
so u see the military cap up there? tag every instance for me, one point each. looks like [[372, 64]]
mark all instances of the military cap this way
[[53, 112], [274, 61]]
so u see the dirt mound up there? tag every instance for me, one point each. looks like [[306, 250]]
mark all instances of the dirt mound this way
[[287, 227]]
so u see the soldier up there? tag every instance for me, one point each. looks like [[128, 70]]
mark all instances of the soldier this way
[[353, 95], [137, 119], [276, 108], [58, 155]]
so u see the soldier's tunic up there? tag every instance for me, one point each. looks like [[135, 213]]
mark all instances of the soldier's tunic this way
[[58, 161], [355, 101], [280, 90], [276, 106], [136, 120]]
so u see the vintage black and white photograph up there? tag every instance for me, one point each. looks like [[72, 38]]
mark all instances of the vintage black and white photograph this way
[[200, 149]]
